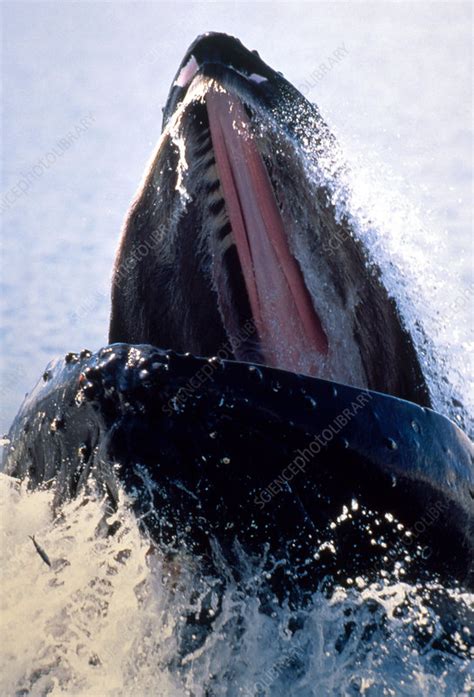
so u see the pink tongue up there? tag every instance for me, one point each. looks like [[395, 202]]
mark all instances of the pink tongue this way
[[290, 331]]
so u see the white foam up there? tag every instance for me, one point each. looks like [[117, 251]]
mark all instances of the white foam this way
[[109, 619]]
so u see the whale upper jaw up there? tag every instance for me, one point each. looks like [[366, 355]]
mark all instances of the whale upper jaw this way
[[248, 237], [225, 59]]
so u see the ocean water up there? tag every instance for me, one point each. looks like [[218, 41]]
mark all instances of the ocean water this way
[[110, 616], [84, 84]]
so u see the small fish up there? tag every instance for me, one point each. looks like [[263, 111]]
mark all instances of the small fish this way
[[40, 551]]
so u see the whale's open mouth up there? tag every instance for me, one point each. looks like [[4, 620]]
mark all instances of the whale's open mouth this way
[[256, 276], [289, 330], [242, 245]]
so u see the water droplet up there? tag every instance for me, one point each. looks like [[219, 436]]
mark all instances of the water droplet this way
[[217, 362], [415, 426], [391, 443], [88, 390], [90, 372], [256, 372], [170, 356], [107, 359], [311, 401]]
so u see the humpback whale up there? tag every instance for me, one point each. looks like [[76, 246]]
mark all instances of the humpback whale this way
[[259, 393]]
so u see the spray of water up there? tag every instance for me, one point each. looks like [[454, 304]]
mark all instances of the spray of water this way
[[429, 297], [113, 615]]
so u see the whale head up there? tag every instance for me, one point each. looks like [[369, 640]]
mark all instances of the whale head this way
[[233, 246]]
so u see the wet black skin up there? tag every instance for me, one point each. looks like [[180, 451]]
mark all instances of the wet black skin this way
[[215, 435]]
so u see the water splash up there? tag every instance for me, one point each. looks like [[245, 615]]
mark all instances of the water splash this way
[[114, 615], [409, 254]]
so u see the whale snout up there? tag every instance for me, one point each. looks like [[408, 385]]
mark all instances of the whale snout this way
[[212, 54]]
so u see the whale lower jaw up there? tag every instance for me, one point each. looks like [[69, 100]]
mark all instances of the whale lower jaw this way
[[224, 452]]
